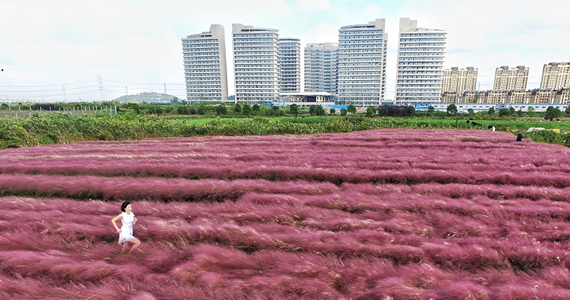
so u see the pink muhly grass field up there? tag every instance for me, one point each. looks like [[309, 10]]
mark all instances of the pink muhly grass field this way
[[381, 214]]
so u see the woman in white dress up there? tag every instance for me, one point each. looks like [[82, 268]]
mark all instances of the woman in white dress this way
[[128, 219]]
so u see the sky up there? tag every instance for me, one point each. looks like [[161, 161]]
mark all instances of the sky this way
[[67, 50]]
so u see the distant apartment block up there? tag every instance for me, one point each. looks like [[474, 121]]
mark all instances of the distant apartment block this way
[[555, 76], [421, 53], [511, 78], [321, 68], [459, 80], [205, 65], [362, 63], [520, 96], [535, 96], [563, 96], [289, 65], [256, 63]]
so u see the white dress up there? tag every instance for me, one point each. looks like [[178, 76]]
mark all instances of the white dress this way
[[127, 228]]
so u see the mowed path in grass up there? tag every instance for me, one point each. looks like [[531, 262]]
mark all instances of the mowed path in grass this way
[[380, 214]]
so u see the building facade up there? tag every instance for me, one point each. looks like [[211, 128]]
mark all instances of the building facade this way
[[514, 97], [563, 96], [362, 63], [459, 80], [421, 53], [289, 65], [256, 63], [511, 78], [500, 96], [555, 76], [520, 96], [543, 96], [321, 68], [205, 69]]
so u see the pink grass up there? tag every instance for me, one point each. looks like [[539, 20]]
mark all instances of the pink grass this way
[[369, 215]]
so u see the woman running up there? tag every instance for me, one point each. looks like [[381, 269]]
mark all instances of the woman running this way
[[128, 219]]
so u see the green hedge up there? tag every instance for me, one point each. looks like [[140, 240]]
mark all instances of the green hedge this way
[[63, 128]]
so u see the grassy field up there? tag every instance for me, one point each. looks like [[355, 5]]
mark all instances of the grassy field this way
[[57, 128]]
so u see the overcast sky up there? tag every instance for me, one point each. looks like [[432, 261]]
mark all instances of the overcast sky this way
[[59, 49]]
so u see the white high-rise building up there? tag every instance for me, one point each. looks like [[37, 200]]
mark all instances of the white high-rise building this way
[[321, 68], [362, 63], [289, 65], [421, 53], [205, 65], [256, 63]]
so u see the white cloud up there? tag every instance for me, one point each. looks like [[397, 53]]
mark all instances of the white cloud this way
[[373, 11], [312, 5], [322, 33]]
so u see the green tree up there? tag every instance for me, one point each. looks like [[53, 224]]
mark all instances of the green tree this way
[[155, 110], [246, 109], [504, 112], [476, 98], [275, 110], [452, 109], [202, 109], [221, 109], [491, 111], [512, 111], [294, 109], [370, 111], [530, 112], [520, 112], [256, 108], [567, 111], [332, 111], [343, 112], [552, 113], [312, 109], [471, 112], [352, 109], [431, 110], [319, 110], [237, 108]]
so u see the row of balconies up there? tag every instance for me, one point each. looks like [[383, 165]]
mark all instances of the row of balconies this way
[[423, 50], [414, 45], [412, 40], [420, 68], [265, 46], [249, 41], [420, 63], [423, 34], [359, 32], [360, 37]]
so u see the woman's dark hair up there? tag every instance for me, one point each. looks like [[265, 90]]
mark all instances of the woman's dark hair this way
[[124, 205]]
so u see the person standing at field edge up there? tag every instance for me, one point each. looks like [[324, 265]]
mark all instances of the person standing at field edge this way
[[519, 137], [128, 219]]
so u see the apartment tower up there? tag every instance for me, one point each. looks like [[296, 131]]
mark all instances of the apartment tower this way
[[459, 80], [511, 78], [321, 68], [289, 65], [421, 53], [205, 68], [256, 63], [362, 63], [555, 76]]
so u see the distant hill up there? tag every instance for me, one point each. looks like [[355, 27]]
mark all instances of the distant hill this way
[[148, 97]]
